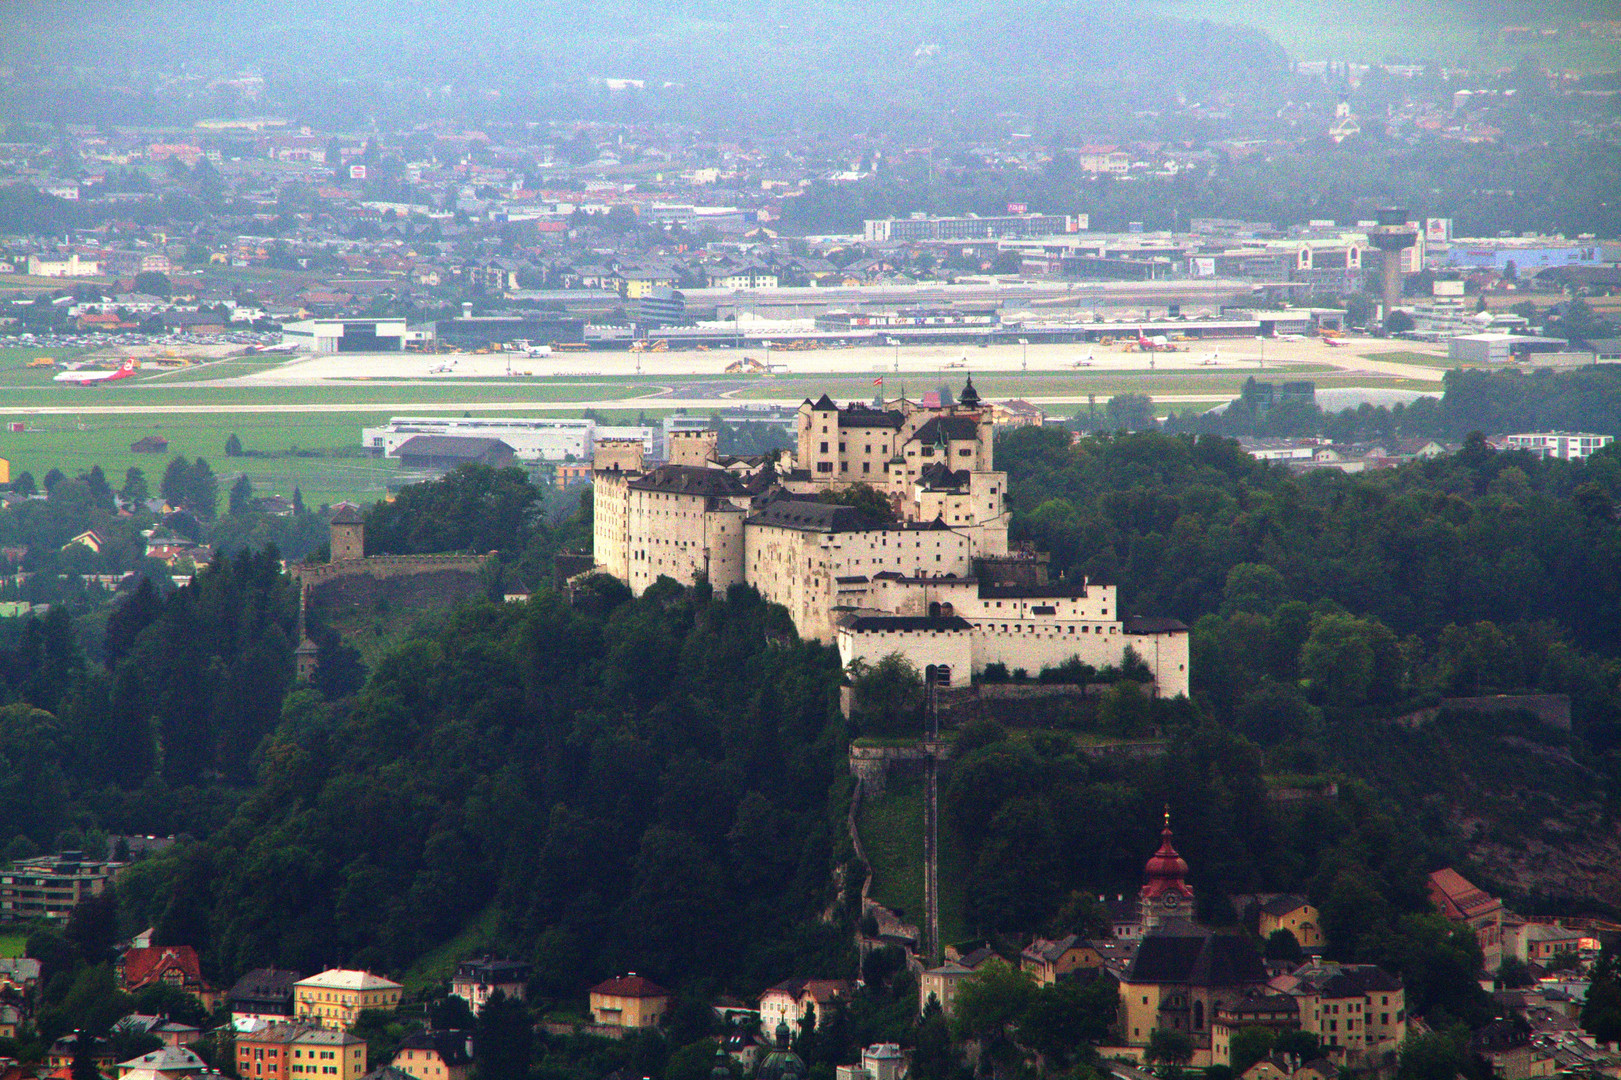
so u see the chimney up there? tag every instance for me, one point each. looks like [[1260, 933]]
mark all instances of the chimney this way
[[467, 309]]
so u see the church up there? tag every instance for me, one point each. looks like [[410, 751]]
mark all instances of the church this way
[[920, 566]]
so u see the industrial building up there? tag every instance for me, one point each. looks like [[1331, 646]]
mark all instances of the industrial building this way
[[972, 227], [531, 439], [346, 335]]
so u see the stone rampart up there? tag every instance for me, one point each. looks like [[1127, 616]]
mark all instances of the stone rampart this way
[[400, 580]]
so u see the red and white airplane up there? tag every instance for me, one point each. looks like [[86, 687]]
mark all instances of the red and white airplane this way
[[126, 370], [1333, 342]]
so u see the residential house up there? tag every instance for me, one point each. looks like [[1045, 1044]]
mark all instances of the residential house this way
[[1457, 899], [436, 1055], [1291, 913], [11, 1020], [475, 980], [335, 998], [169, 1063], [1017, 413], [90, 538], [940, 983], [19, 975], [629, 1001], [60, 1055], [795, 1000], [175, 966], [264, 994], [1050, 961]]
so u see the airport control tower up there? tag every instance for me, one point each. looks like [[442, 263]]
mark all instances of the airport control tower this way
[[1392, 236]]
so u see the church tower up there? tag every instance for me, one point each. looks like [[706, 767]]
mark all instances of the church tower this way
[[1165, 897]]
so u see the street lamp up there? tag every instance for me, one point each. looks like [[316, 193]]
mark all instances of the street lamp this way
[[1261, 338], [1024, 363], [896, 342]]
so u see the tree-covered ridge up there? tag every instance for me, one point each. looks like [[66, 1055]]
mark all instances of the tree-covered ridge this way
[[1323, 605], [632, 784], [1587, 399]]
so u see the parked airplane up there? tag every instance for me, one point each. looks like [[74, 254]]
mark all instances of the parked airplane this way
[[94, 378]]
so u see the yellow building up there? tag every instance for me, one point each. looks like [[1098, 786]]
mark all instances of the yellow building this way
[[1293, 914], [435, 1055], [629, 1001], [335, 998], [5, 471]]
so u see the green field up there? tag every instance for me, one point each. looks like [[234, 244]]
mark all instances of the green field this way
[[12, 945], [891, 828]]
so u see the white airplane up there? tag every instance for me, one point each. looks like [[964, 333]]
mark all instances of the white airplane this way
[[1084, 363], [538, 350], [443, 369], [126, 370], [1290, 337]]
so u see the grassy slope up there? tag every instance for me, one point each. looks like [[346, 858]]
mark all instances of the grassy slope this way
[[892, 833]]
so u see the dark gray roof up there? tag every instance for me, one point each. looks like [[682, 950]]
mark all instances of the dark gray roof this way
[[451, 1046], [347, 515], [812, 516], [939, 476], [949, 429], [875, 623], [264, 983], [1359, 980], [1144, 624], [452, 446], [825, 404], [689, 480], [1052, 590], [1197, 959], [857, 415], [1281, 905]]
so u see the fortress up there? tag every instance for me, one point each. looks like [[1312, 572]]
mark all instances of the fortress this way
[[936, 582], [353, 580]]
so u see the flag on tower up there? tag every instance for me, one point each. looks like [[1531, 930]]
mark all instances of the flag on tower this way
[[879, 381]]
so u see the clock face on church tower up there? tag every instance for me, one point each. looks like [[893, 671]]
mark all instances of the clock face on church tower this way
[[1170, 900]]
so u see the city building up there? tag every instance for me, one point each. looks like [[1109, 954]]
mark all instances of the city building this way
[[335, 998], [1565, 445], [1165, 899], [629, 1001], [1355, 1010], [49, 886], [930, 578], [475, 980], [299, 1051]]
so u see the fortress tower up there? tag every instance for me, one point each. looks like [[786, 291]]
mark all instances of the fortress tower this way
[[348, 534]]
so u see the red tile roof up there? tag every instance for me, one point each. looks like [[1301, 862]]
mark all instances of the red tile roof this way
[[145, 966], [1452, 889], [630, 986]]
